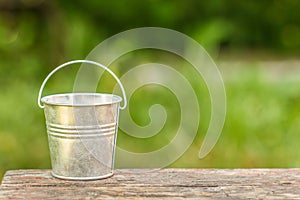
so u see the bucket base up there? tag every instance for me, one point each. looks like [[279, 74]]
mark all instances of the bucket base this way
[[83, 178]]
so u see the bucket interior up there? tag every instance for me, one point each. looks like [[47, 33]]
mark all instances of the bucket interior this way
[[81, 99]]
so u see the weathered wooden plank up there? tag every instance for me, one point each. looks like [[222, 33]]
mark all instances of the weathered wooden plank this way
[[157, 184]]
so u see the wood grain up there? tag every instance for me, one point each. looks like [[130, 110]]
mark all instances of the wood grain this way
[[157, 184]]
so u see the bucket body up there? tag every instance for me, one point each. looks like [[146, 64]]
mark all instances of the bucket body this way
[[82, 130]]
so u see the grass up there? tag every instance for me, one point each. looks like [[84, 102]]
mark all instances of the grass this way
[[261, 130]]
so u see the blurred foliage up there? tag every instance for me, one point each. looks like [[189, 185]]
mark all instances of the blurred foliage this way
[[44, 33], [36, 35]]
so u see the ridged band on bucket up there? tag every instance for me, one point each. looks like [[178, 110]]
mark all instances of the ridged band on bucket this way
[[81, 131]]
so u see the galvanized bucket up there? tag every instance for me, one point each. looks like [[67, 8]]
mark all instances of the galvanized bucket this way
[[82, 130]]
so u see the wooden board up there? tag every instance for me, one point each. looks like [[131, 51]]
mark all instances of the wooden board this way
[[157, 184]]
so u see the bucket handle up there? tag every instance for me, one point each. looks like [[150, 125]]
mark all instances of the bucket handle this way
[[82, 61]]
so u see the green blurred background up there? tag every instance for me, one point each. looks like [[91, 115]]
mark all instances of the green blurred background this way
[[256, 45]]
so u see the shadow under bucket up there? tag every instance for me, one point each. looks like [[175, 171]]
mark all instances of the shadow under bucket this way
[[82, 130]]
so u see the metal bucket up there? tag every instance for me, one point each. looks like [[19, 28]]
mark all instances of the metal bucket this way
[[82, 130]]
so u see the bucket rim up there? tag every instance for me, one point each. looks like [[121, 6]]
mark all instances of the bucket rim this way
[[115, 99]]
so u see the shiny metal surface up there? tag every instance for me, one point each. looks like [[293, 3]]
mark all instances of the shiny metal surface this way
[[82, 130]]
